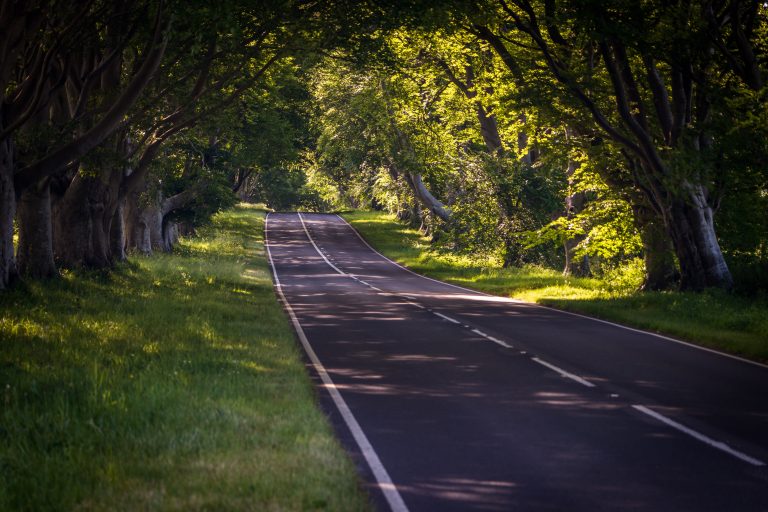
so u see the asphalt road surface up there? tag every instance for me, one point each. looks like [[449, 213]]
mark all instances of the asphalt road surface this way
[[450, 399]]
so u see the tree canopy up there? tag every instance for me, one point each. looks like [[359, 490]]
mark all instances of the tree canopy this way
[[564, 133]]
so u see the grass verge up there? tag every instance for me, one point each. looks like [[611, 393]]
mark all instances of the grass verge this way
[[715, 319], [172, 383]]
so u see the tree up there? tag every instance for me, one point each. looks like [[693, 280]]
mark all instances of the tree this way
[[36, 70], [646, 75]]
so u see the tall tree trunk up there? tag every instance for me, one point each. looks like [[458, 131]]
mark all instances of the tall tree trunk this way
[[170, 235], [574, 204], [84, 220], [152, 220], [425, 197], [35, 247], [574, 266], [489, 129], [8, 270], [117, 234], [690, 224], [660, 269], [136, 228], [170, 229]]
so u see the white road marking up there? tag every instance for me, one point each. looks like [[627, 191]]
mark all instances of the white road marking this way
[[401, 266], [564, 373], [518, 301], [452, 320], [697, 435], [334, 267], [383, 479], [491, 338], [645, 410]]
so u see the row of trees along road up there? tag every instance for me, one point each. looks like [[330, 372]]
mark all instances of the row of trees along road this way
[[615, 128], [549, 131], [118, 118]]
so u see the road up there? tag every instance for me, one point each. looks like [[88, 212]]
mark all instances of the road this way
[[450, 399]]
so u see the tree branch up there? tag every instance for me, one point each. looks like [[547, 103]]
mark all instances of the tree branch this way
[[111, 120], [660, 98], [648, 153]]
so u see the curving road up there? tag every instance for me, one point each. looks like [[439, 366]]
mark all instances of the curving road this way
[[450, 399]]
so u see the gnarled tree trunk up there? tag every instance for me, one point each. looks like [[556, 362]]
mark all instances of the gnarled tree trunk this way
[[425, 197], [690, 224], [35, 248], [148, 226], [84, 219]]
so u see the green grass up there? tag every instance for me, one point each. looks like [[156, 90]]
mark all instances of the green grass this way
[[172, 383], [714, 319]]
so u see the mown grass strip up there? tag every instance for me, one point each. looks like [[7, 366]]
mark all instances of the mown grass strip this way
[[738, 325], [172, 383]]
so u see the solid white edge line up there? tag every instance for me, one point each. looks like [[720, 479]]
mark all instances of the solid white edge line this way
[[518, 301], [385, 483], [699, 436], [334, 267], [406, 268], [383, 479], [564, 373]]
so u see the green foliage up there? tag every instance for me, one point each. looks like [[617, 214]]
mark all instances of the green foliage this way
[[605, 228], [287, 189], [172, 383]]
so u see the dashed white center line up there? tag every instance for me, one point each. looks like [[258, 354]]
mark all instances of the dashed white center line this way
[[491, 338], [334, 267], [452, 320], [564, 373], [697, 435], [394, 499]]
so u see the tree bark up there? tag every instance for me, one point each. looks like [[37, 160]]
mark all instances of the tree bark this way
[[35, 247], [152, 218], [117, 236], [660, 270], [84, 220], [170, 235], [690, 223], [8, 270], [425, 197], [136, 229], [150, 229], [489, 130]]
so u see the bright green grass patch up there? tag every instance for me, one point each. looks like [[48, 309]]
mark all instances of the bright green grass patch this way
[[715, 319], [172, 383]]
